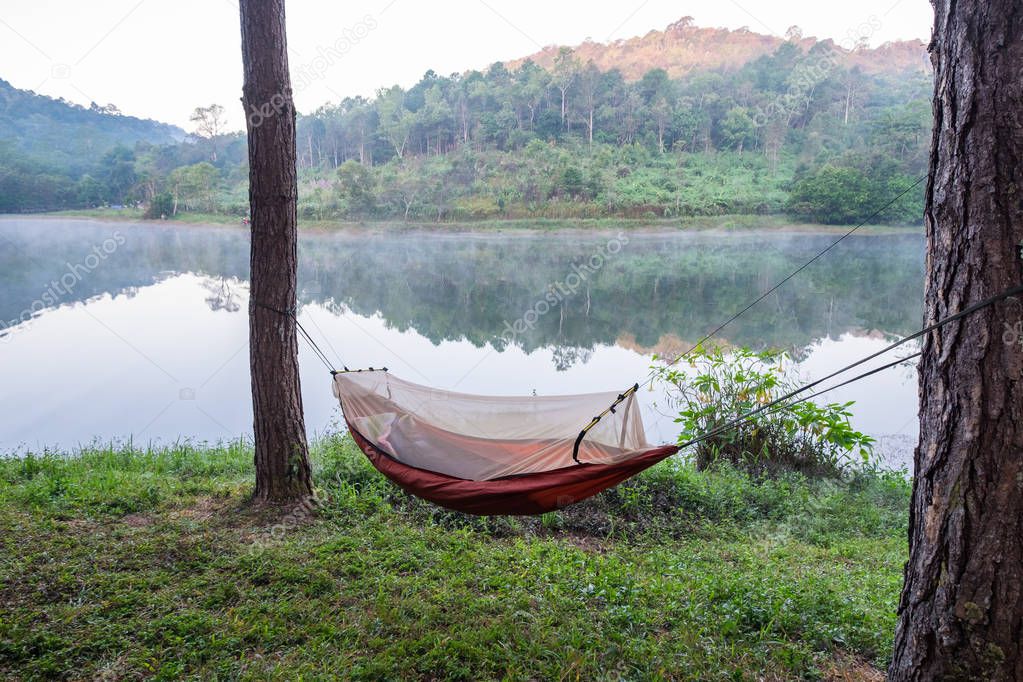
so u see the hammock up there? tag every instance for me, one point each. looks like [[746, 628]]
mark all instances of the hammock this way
[[494, 455]]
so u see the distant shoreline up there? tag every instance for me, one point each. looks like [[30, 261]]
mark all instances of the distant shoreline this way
[[724, 223]]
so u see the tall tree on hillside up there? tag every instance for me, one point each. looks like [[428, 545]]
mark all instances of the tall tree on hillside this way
[[395, 120], [658, 96], [118, 168], [589, 95], [282, 454], [532, 85], [566, 69], [961, 613], [209, 125]]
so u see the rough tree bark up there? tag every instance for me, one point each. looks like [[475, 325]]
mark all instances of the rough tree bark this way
[[282, 457], [961, 612]]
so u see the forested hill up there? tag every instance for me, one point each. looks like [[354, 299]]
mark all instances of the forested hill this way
[[56, 154], [682, 48], [687, 121], [60, 134], [683, 122]]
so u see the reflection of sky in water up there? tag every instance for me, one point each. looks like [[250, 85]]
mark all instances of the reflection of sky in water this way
[[168, 360]]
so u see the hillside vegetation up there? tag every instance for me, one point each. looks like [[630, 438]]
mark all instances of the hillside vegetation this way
[[683, 122], [51, 149]]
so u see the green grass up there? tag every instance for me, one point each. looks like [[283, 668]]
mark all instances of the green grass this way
[[687, 223], [121, 564]]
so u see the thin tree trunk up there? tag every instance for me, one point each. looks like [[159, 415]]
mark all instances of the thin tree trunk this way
[[848, 101], [282, 457], [961, 612]]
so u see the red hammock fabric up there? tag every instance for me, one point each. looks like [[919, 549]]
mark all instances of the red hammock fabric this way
[[533, 493]]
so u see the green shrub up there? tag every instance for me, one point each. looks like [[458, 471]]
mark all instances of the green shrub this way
[[842, 195], [161, 206], [719, 387]]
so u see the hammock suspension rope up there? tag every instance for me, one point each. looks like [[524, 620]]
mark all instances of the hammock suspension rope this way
[[321, 356]]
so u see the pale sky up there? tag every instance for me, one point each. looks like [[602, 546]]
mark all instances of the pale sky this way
[[160, 59]]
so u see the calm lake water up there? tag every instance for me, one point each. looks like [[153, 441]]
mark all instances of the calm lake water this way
[[117, 330]]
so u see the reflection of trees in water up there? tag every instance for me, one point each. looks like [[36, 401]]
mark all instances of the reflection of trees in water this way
[[221, 295], [682, 286], [566, 356], [36, 253], [450, 287]]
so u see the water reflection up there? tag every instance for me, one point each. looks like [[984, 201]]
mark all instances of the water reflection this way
[[151, 342]]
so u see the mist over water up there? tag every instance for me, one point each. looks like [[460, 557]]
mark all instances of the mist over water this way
[[118, 330]]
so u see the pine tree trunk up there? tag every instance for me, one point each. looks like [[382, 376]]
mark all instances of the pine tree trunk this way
[[961, 612], [281, 458]]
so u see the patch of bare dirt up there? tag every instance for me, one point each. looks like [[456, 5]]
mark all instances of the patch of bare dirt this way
[[847, 668]]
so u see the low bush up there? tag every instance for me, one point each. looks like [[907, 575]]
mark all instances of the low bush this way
[[724, 400]]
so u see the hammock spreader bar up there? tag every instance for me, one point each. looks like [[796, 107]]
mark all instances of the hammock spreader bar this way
[[596, 420]]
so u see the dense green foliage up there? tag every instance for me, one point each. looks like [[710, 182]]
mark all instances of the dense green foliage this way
[[836, 194], [722, 396], [797, 130], [126, 564]]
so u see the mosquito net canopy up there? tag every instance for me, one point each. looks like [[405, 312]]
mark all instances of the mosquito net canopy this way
[[480, 438]]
